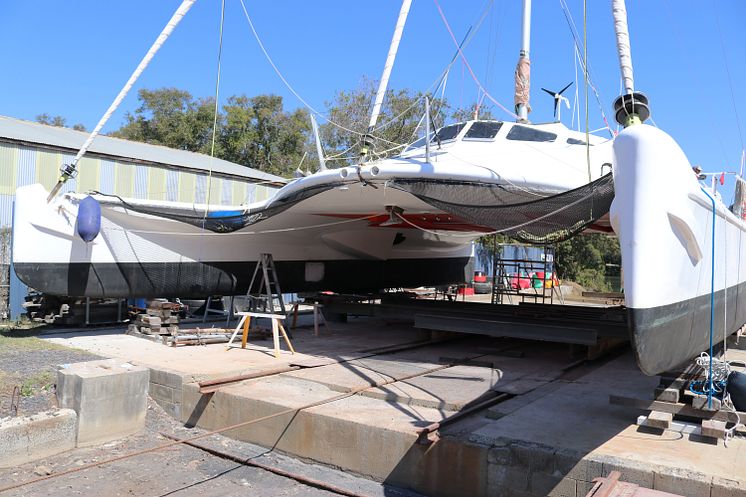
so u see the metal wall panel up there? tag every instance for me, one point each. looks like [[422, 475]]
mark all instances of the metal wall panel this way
[[6, 210], [172, 185], [8, 168], [227, 198], [47, 168], [157, 183], [124, 183], [141, 182], [26, 173], [200, 189], [89, 172], [108, 173], [187, 187]]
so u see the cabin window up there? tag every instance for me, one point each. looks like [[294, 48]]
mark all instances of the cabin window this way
[[449, 132], [575, 141], [483, 130], [524, 133]]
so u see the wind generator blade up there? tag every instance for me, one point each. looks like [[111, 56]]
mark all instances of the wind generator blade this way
[[550, 92], [565, 88], [68, 171]]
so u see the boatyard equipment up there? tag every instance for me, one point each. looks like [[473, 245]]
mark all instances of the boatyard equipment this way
[[265, 301]]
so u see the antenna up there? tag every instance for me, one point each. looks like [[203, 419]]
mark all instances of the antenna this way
[[557, 95]]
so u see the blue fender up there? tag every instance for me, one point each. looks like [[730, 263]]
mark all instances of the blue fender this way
[[89, 219]]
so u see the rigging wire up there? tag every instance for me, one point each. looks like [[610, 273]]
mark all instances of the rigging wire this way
[[585, 87], [215, 114], [466, 63], [576, 38], [730, 80]]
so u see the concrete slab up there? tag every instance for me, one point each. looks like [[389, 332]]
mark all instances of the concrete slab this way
[[109, 397], [29, 438]]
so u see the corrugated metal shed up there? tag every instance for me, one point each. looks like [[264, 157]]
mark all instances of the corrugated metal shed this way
[[17, 130]]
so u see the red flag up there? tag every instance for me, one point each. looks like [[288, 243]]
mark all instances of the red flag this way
[[722, 178]]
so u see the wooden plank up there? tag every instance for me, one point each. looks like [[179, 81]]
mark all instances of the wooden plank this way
[[673, 408]]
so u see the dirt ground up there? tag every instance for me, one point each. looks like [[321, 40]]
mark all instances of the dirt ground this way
[[30, 363]]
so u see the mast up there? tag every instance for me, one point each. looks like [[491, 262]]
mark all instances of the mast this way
[[523, 69], [631, 107], [393, 48]]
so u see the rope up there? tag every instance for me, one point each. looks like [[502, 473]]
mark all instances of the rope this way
[[585, 88], [285, 81], [167, 30], [712, 295], [466, 63], [727, 72]]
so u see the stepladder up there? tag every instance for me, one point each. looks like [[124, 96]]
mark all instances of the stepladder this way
[[265, 300]]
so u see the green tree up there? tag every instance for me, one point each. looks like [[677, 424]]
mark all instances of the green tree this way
[[58, 121], [254, 131], [350, 112], [588, 259]]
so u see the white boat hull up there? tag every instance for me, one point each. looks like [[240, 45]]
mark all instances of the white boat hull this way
[[664, 220]]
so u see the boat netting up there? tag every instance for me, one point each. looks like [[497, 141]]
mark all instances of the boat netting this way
[[225, 221], [546, 220], [502, 208]]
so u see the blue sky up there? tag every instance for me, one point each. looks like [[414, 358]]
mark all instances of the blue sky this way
[[71, 58]]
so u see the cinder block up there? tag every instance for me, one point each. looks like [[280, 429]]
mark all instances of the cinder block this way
[[682, 481], [499, 455], [507, 477], [572, 464], [567, 487], [28, 438], [533, 457], [632, 471], [722, 487], [109, 397], [544, 484]]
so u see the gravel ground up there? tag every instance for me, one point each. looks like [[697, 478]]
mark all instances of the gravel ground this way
[[31, 364], [179, 470]]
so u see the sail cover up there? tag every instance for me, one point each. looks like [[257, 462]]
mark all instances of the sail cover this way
[[547, 220]]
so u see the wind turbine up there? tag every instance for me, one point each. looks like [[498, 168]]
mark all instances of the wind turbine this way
[[557, 99]]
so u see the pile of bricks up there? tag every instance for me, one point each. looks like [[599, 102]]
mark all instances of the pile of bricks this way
[[160, 318]]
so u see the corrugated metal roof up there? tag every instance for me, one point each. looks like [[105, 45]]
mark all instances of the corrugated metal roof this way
[[52, 136]]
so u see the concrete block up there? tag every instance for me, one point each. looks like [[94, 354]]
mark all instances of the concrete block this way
[[572, 464], [567, 487], [722, 487], [661, 420], [166, 378], [499, 455], [109, 397], [667, 394], [682, 481], [545, 484], [28, 438], [507, 477], [533, 457], [713, 428], [161, 393], [632, 471]]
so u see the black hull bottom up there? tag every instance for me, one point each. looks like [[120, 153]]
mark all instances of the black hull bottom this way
[[196, 280], [668, 336]]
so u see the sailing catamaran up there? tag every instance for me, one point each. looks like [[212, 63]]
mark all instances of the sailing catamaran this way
[[404, 221]]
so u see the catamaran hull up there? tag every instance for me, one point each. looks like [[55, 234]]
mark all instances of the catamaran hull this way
[[197, 279], [337, 240], [664, 219]]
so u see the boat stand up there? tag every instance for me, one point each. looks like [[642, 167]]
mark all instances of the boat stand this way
[[265, 301]]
